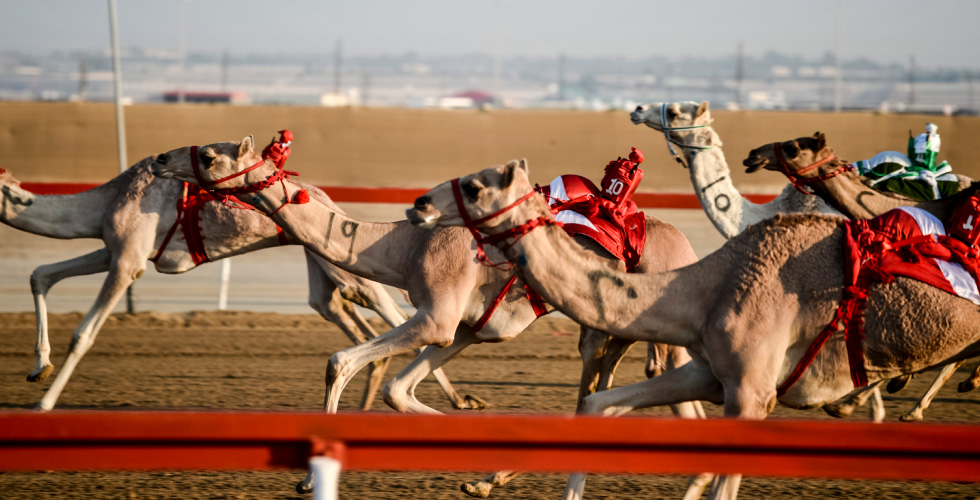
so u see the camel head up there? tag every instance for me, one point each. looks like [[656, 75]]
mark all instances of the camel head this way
[[481, 194], [678, 114], [797, 154], [215, 162], [10, 190]]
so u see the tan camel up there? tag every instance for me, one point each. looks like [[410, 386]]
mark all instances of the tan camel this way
[[746, 313], [730, 212], [447, 284], [132, 214], [812, 165]]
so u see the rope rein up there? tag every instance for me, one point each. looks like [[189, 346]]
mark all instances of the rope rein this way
[[671, 142], [796, 177]]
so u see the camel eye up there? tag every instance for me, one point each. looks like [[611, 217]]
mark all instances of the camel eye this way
[[207, 157], [471, 190], [672, 113]]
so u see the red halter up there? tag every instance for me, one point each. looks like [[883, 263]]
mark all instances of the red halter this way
[[516, 232], [796, 177], [228, 194]]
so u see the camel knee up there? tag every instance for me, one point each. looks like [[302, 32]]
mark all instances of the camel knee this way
[[397, 395], [40, 282]]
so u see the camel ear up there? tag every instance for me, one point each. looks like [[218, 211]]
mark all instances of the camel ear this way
[[702, 109], [248, 146], [508, 174], [821, 141]]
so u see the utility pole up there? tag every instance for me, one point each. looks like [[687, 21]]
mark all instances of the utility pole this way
[[739, 73], [182, 48], [82, 78], [120, 117], [911, 82], [838, 76], [561, 77], [224, 71], [336, 69]]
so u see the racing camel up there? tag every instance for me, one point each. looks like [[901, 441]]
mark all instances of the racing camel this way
[[729, 211], [441, 270], [133, 214], [747, 313], [813, 167]]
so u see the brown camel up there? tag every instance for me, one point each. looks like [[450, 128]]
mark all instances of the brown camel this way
[[812, 165], [687, 125], [132, 214], [746, 313], [447, 284]]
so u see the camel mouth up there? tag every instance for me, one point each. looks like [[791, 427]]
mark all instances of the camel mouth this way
[[419, 219], [636, 118], [754, 163]]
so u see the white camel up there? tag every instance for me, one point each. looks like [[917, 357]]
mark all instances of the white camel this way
[[729, 211], [747, 313], [446, 282], [133, 215]]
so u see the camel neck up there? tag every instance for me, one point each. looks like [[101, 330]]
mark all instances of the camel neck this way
[[856, 200], [57, 216], [376, 251], [584, 287], [728, 210]]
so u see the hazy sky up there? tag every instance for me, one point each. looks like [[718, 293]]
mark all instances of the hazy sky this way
[[937, 32]]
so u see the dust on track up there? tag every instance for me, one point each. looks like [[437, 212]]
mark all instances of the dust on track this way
[[247, 360]]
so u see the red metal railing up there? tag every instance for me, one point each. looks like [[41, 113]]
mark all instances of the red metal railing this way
[[96, 440], [344, 194]]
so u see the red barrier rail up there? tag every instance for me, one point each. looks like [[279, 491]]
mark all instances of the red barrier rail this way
[[343, 194], [76, 440]]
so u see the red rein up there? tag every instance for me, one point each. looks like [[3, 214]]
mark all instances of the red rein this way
[[796, 177], [516, 232], [224, 195]]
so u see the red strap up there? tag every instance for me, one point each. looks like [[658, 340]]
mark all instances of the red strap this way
[[170, 234], [537, 302], [849, 312], [480, 323], [796, 177]]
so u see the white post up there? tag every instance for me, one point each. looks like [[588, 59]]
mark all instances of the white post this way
[[120, 117], [326, 474], [223, 287]]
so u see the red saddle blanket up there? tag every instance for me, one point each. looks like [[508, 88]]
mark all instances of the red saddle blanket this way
[[575, 202], [907, 242]]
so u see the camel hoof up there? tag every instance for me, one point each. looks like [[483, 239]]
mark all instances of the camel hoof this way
[[477, 489], [911, 417], [304, 486], [839, 411], [473, 403], [898, 383], [968, 385], [43, 374]]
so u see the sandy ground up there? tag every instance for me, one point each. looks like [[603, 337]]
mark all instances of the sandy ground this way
[[247, 360], [273, 356]]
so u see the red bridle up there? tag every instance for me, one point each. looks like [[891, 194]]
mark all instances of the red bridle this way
[[226, 194], [517, 232], [796, 177]]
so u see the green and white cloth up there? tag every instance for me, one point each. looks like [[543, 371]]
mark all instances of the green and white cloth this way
[[915, 175]]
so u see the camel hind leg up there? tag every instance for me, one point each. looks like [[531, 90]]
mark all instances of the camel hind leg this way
[[42, 279], [972, 382], [122, 273], [947, 371]]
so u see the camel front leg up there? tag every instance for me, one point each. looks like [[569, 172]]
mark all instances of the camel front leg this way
[[693, 381], [601, 355], [121, 275], [747, 401], [42, 279], [915, 414], [419, 331], [399, 393]]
